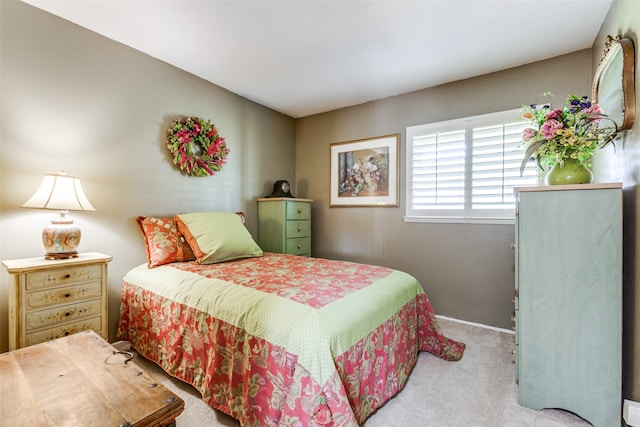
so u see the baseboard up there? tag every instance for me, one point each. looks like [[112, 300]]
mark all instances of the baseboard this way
[[479, 325]]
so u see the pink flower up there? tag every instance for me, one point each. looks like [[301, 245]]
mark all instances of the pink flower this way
[[549, 129], [554, 115], [183, 136], [528, 134], [594, 109], [592, 113]]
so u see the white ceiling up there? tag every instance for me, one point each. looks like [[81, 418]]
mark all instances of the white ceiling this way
[[306, 57]]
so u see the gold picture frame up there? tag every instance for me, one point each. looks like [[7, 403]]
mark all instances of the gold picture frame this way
[[614, 82], [364, 172]]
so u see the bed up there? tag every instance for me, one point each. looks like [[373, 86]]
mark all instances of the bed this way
[[274, 339]]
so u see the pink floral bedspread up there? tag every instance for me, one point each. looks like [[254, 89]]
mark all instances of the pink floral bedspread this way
[[312, 342]]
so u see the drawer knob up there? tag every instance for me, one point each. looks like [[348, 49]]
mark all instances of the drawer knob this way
[[66, 334], [299, 211], [67, 314], [299, 246], [299, 229], [67, 295]]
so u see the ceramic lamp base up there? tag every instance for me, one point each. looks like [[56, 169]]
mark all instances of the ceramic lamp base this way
[[61, 239], [62, 255]]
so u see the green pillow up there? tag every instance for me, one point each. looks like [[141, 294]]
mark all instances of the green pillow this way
[[217, 236]]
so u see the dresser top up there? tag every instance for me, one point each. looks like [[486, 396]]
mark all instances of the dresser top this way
[[40, 263], [599, 186], [277, 199]]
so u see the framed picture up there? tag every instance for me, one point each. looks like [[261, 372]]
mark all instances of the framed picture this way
[[365, 172]]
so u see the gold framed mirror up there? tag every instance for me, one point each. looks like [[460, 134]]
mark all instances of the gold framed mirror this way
[[614, 82]]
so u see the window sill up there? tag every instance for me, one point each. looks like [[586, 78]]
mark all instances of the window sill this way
[[460, 220]]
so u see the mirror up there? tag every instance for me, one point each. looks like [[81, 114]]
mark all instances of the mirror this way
[[614, 85]]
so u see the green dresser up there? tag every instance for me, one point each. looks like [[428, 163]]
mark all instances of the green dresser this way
[[284, 225], [568, 303]]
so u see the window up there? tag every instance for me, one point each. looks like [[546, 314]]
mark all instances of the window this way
[[465, 170]]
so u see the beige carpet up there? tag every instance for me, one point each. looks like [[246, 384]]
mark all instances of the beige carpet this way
[[479, 390]]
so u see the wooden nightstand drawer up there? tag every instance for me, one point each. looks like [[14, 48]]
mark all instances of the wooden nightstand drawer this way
[[298, 210], [301, 246], [63, 295], [62, 276], [298, 229], [94, 324], [63, 313]]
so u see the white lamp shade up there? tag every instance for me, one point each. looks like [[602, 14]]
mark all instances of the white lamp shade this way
[[60, 192]]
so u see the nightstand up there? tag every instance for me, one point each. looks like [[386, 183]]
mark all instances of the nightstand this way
[[284, 225], [49, 299]]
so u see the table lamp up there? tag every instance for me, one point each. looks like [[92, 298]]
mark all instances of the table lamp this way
[[63, 193]]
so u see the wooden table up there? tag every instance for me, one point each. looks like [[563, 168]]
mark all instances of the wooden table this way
[[81, 380]]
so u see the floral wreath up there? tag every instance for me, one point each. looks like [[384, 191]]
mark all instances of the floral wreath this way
[[196, 146]]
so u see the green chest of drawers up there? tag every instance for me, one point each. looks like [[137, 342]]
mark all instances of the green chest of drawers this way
[[569, 300], [284, 225]]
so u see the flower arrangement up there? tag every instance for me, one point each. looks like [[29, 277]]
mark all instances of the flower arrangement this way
[[574, 131], [196, 146], [354, 182], [366, 174]]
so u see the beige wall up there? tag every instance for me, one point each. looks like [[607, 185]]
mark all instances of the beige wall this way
[[623, 165], [73, 100], [467, 270]]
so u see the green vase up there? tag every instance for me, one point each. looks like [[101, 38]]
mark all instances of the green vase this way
[[569, 171]]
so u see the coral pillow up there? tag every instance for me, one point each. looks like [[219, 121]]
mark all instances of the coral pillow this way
[[217, 236], [163, 241]]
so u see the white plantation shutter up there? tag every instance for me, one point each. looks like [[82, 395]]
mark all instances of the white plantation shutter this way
[[466, 169], [497, 153], [438, 171]]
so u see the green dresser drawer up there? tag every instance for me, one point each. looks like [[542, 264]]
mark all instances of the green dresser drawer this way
[[300, 228], [301, 246], [298, 210]]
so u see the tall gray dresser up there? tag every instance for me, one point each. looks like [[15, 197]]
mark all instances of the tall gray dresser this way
[[568, 301]]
